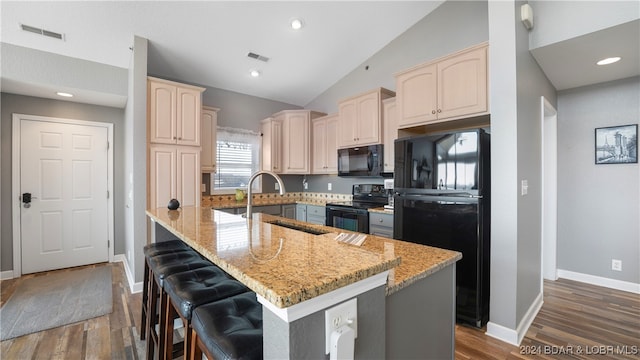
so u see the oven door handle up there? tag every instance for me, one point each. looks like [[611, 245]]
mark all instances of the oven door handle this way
[[344, 210]]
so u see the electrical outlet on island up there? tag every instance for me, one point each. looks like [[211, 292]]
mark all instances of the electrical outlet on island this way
[[329, 186]]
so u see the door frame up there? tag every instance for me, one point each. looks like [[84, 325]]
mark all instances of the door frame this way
[[16, 179], [549, 177]]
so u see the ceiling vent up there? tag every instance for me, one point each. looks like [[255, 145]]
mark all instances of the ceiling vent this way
[[258, 57], [42, 32]]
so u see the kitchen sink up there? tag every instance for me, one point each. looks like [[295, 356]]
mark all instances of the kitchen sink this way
[[306, 229]]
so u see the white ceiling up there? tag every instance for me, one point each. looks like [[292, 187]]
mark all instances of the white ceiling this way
[[206, 42]]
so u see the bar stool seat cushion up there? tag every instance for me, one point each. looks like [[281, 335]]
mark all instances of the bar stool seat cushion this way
[[231, 328], [164, 247], [173, 263], [191, 289]]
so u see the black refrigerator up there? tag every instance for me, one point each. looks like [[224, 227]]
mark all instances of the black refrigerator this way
[[442, 199]]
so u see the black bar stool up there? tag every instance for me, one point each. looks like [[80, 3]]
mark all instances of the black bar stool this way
[[151, 250], [228, 329], [188, 290], [160, 267]]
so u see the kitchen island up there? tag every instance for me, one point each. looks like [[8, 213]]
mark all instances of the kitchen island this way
[[299, 273]]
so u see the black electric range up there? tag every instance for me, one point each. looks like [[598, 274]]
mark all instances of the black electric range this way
[[354, 215]]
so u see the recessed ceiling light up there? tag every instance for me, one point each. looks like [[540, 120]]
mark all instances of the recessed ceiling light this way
[[64, 94], [254, 73], [296, 24], [608, 61]]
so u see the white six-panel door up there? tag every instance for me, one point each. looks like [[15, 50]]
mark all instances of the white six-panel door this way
[[65, 168]]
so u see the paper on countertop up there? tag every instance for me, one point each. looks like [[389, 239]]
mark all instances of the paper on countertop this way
[[353, 239]]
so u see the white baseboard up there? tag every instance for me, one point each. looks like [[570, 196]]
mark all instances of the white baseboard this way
[[600, 281], [134, 287], [6, 275], [511, 336]]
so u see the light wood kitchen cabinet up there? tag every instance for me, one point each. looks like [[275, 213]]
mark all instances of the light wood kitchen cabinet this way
[[209, 123], [324, 145], [174, 173], [286, 141], [448, 88], [272, 144], [361, 118], [390, 133], [174, 112]]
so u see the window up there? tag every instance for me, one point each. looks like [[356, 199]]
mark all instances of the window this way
[[237, 157]]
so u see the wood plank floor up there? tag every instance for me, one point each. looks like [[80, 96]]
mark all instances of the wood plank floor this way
[[112, 336], [584, 321]]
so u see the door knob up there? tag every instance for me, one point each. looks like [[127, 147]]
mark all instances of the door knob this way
[[26, 199]]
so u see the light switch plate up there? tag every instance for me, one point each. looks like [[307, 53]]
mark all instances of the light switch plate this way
[[524, 188], [329, 186]]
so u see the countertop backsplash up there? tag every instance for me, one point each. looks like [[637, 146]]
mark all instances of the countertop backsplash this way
[[229, 200]]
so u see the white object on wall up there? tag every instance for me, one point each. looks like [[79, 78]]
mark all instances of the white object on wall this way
[[526, 15]]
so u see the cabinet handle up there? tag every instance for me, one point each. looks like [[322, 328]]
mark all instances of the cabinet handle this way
[[381, 220], [174, 138], [439, 110], [433, 111]]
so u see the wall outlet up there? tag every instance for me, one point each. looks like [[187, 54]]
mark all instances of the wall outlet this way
[[339, 315], [203, 187], [616, 265], [306, 186], [329, 186], [524, 187], [277, 187]]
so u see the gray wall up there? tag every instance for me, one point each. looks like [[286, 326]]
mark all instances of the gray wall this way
[[531, 85], [62, 109], [517, 83], [135, 194], [452, 26], [598, 205], [556, 21]]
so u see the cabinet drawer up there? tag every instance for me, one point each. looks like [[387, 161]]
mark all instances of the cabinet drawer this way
[[313, 210], [379, 219]]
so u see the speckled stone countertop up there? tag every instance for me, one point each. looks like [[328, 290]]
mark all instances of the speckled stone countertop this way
[[282, 265]]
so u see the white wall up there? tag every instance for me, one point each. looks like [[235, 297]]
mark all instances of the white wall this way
[[598, 205]]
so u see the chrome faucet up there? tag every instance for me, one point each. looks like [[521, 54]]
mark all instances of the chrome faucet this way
[[249, 185]]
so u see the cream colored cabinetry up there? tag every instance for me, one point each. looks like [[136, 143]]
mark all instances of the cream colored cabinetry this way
[[209, 123], [448, 88], [390, 133], [361, 118], [173, 125], [173, 112], [324, 145], [287, 136], [174, 173], [272, 144]]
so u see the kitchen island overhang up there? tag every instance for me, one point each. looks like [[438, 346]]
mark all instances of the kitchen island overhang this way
[[297, 275]]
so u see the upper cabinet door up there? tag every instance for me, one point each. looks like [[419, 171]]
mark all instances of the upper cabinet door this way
[[348, 123], [368, 126], [188, 116], [462, 87], [162, 113], [416, 96], [208, 123], [295, 152], [332, 145], [173, 112]]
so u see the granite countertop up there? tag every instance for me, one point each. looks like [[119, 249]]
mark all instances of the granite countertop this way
[[288, 266], [284, 266]]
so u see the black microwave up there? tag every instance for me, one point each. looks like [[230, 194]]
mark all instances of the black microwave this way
[[360, 161]]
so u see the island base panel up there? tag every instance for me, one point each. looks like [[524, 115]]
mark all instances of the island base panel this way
[[421, 318], [305, 338]]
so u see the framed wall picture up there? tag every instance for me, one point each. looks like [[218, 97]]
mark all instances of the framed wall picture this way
[[617, 144]]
